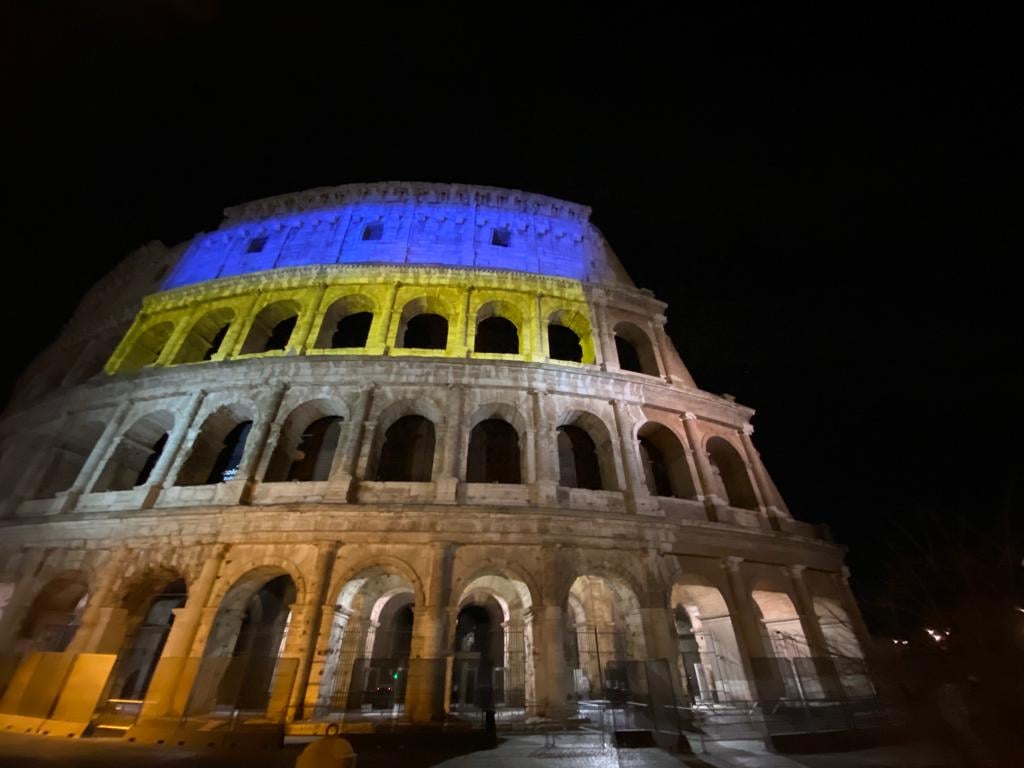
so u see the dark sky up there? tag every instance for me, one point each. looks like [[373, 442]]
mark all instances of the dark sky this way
[[828, 203]]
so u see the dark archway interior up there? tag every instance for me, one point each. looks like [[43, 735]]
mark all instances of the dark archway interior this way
[[138, 657], [225, 466], [733, 472], [281, 333], [629, 359], [151, 460], [655, 468], [426, 331], [316, 450], [352, 331], [215, 342], [497, 335], [564, 344], [408, 451], [493, 453], [578, 465]]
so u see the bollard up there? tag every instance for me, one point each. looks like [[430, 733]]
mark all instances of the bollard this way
[[329, 752]]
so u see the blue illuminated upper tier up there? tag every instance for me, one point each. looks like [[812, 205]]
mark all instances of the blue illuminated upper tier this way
[[404, 223]]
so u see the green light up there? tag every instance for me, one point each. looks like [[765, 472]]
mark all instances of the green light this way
[[395, 676]]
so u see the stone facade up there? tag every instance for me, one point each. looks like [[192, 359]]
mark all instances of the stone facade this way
[[523, 529]]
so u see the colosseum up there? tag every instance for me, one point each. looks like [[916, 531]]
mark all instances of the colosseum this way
[[395, 452]]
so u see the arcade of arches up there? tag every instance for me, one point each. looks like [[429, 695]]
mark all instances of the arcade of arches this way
[[428, 631]]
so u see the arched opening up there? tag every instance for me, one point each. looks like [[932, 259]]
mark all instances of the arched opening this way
[[205, 338], [241, 658], [271, 330], [147, 347], [54, 616], [788, 667], [307, 445], [635, 350], [494, 455], [497, 335], [136, 454], [219, 448], [733, 472], [709, 655], [150, 617], [367, 660], [67, 458], [585, 457], [492, 642], [346, 325], [607, 640], [564, 344], [570, 337], [664, 462], [407, 454]]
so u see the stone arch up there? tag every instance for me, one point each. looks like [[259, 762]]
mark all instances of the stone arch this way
[[586, 456], [148, 603], [205, 337], [498, 328], [242, 649], [66, 458], [732, 469], [147, 346], [579, 324], [54, 615], [219, 446], [370, 636], [635, 350], [410, 449], [496, 453], [346, 324], [782, 636], [425, 323], [709, 655], [664, 462], [137, 453], [606, 637], [271, 328], [308, 442]]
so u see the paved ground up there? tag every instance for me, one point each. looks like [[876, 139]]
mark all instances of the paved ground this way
[[513, 752]]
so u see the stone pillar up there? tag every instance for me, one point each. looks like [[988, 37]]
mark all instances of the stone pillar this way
[[542, 331], [174, 674], [554, 686], [762, 484], [638, 498], [300, 334], [256, 443], [601, 349], [466, 322], [544, 492], [747, 628], [425, 694], [170, 350], [853, 614], [324, 668], [707, 478], [304, 626], [447, 484], [101, 628], [659, 358], [823, 664], [382, 338], [173, 455], [234, 339], [343, 470], [21, 600], [98, 458]]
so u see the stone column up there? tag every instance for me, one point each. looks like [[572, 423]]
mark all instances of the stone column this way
[[425, 694], [747, 628], [659, 358], [554, 687], [174, 674], [382, 338], [324, 669], [638, 498], [762, 484], [823, 664], [300, 335], [170, 350], [233, 341], [544, 492], [302, 631], [542, 330], [256, 443], [343, 470], [447, 484], [98, 458], [853, 614], [173, 455], [466, 321], [601, 352], [707, 478]]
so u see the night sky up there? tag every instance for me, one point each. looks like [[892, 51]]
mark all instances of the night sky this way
[[827, 203]]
